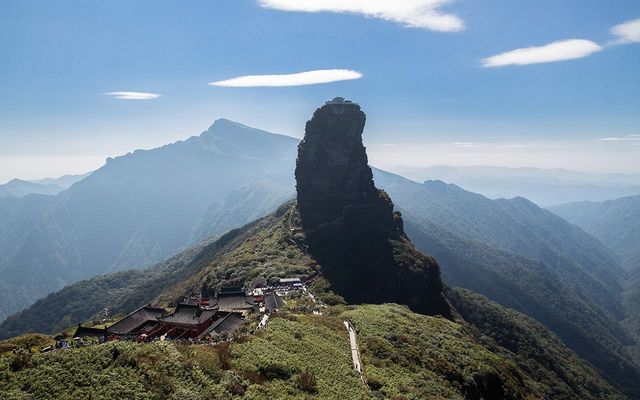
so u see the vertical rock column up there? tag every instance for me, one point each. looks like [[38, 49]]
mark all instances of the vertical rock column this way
[[332, 170]]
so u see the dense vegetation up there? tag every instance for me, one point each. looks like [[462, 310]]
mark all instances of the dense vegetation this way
[[405, 356], [539, 352], [534, 289], [265, 253]]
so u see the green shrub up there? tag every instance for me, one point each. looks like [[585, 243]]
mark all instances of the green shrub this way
[[224, 355], [306, 381], [20, 361]]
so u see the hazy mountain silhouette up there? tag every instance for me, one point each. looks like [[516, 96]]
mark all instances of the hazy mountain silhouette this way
[[545, 187], [614, 222], [51, 186], [137, 209]]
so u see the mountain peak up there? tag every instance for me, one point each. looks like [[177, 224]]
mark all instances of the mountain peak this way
[[224, 122], [16, 181], [350, 225], [243, 136], [332, 170]]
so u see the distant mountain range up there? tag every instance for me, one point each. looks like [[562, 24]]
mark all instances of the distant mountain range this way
[[50, 186], [545, 187], [140, 208]]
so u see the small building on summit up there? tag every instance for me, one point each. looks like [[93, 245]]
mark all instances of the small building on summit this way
[[340, 100]]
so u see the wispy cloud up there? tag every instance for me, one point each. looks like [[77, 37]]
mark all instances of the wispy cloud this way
[[297, 79], [133, 95], [627, 138], [424, 14], [627, 32], [557, 51], [466, 144], [489, 145]]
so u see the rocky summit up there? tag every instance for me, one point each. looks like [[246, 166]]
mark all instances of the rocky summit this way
[[350, 225], [332, 170]]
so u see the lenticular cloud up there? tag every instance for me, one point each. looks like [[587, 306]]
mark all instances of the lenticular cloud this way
[[297, 79], [424, 14]]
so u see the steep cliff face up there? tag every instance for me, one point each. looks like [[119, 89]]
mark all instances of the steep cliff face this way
[[332, 169], [350, 225]]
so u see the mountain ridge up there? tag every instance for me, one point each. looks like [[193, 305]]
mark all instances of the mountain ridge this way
[[134, 211]]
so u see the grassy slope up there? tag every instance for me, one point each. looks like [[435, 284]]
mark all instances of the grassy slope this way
[[405, 356], [267, 252], [536, 350], [532, 288]]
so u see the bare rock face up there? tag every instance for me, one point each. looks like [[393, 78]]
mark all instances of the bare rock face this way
[[350, 225], [332, 170]]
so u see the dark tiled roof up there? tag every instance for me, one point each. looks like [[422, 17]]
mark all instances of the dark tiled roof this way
[[83, 331], [188, 314], [273, 302], [231, 290], [229, 323], [136, 319], [237, 302]]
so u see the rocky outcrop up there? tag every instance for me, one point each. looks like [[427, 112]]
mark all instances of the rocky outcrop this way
[[332, 169], [350, 225]]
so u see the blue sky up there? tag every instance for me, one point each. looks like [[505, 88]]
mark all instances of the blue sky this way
[[428, 97]]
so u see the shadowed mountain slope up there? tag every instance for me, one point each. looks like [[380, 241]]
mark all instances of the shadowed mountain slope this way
[[534, 289], [615, 222], [517, 226]]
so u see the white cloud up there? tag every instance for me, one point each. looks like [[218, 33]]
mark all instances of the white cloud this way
[[557, 51], [627, 138], [627, 32], [424, 14], [297, 79], [133, 95]]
